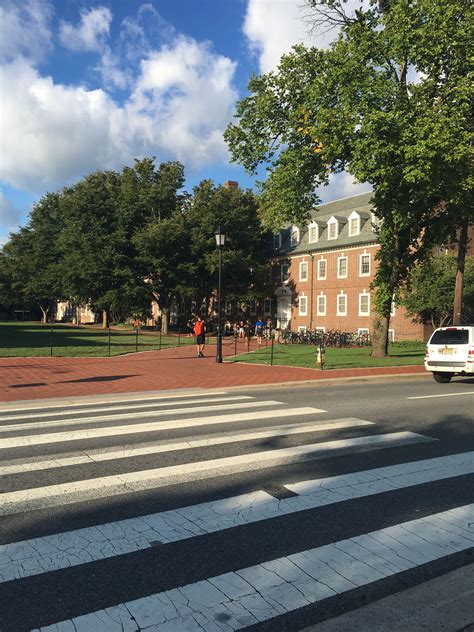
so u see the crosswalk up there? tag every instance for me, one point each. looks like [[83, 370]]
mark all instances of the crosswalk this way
[[214, 512]]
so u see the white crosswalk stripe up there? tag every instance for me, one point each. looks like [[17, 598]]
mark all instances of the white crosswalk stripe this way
[[47, 466]]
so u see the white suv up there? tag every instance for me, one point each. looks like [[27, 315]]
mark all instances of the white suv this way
[[450, 351]]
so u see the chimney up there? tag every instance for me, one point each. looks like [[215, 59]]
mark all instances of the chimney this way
[[231, 184]]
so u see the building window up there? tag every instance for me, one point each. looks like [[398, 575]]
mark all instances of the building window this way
[[313, 233], [322, 268], [332, 229], [321, 305], [302, 328], [303, 305], [342, 304], [354, 225], [284, 274], [363, 331], [392, 308], [267, 306], [364, 304], [253, 307], [295, 236], [341, 267], [364, 265], [391, 335], [277, 241], [304, 271], [321, 329]]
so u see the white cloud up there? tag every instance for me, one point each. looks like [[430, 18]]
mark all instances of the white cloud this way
[[52, 134], [272, 27], [341, 185], [25, 29], [91, 33]]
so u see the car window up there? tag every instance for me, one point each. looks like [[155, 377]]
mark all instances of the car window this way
[[450, 337]]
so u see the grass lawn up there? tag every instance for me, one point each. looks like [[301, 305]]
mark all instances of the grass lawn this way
[[26, 339], [401, 353]]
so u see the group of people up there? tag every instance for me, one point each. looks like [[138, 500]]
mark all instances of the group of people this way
[[243, 330]]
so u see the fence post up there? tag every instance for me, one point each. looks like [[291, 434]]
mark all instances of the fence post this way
[[108, 339], [51, 342], [136, 340], [160, 339], [272, 349]]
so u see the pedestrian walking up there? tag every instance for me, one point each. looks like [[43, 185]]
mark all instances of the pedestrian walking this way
[[259, 327], [200, 333]]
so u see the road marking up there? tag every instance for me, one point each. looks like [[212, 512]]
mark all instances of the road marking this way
[[90, 544], [205, 400], [116, 431], [258, 593], [63, 493], [5, 408], [133, 415], [441, 395], [95, 456]]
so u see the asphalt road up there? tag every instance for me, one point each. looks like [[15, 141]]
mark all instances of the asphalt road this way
[[206, 510]]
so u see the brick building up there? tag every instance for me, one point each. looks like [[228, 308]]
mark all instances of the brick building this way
[[325, 271]]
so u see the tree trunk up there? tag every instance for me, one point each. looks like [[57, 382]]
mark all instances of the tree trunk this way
[[380, 336], [44, 318], [165, 320], [105, 319], [461, 259]]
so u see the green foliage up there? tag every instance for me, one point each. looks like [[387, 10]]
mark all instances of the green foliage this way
[[430, 291], [389, 102]]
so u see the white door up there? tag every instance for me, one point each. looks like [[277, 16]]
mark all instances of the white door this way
[[283, 311]]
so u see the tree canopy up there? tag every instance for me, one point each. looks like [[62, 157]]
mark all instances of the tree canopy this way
[[389, 102]]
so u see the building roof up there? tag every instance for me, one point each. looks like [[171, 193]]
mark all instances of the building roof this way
[[341, 210]]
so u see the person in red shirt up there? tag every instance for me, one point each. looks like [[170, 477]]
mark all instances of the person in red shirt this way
[[200, 333]]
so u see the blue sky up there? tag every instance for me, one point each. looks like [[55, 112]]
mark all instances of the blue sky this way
[[94, 85]]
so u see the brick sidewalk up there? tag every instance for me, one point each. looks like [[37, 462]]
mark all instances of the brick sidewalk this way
[[38, 378]]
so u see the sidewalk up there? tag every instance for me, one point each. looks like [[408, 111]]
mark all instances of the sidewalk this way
[[39, 378]]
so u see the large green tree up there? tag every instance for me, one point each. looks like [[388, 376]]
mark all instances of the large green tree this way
[[429, 294], [32, 274], [389, 102]]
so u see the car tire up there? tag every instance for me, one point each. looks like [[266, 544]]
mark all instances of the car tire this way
[[442, 378]]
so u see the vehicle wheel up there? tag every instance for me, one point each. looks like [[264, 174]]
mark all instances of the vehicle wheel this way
[[442, 378]]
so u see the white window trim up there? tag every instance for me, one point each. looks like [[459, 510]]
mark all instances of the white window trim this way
[[276, 241], [364, 274], [284, 279], [391, 335], [354, 215], [338, 312], [294, 231], [367, 313], [318, 311], [302, 265], [331, 222], [302, 312], [342, 276], [363, 330], [310, 227], [323, 278], [323, 329], [301, 328], [392, 309]]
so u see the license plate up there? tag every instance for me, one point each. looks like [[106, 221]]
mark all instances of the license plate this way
[[447, 351]]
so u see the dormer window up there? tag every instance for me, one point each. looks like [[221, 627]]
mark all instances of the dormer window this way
[[354, 224], [333, 228], [313, 233], [294, 236], [277, 241]]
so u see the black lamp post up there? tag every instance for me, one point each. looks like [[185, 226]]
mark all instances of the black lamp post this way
[[220, 241]]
